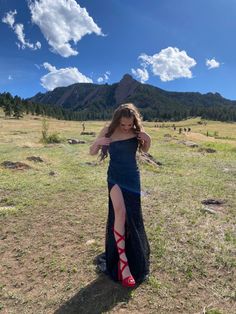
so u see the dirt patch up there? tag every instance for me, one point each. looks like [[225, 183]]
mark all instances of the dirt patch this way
[[53, 173], [15, 165], [213, 206], [206, 150], [211, 201], [188, 143], [35, 159]]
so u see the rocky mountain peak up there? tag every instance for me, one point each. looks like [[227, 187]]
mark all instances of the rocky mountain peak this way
[[127, 78], [125, 88]]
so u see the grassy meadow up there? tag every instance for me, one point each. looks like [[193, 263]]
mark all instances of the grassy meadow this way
[[53, 219]]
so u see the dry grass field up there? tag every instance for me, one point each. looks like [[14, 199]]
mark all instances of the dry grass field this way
[[53, 216]]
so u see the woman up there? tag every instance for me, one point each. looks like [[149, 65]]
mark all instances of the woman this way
[[127, 248]]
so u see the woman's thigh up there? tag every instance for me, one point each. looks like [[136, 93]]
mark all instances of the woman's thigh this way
[[117, 198]]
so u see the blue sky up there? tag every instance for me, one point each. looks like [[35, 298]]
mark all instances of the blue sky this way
[[185, 45]]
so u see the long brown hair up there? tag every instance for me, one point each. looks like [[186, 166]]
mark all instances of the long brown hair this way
[[127, 110]]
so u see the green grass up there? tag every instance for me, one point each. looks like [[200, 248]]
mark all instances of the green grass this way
[[53, 226]]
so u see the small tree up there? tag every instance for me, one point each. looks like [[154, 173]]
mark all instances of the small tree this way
[[45, 127], [49, 138]]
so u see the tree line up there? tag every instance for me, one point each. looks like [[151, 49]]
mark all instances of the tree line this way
[[16, 107]]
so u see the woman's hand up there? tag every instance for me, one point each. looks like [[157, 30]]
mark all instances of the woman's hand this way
[[143, 136], [145, 140], [98, 143], [103, 141]]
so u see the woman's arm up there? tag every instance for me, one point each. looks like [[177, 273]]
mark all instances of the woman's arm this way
[[99, 142], [146, 141]]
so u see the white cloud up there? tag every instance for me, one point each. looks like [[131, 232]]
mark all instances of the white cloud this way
[[61, 22], [38, 45], [212, 64], [141, 74], [10, 77], [107, 74], [49, 67], [62, 77], [169, 63], [104, 78], [37, 66], [9, 18], [18, 29]]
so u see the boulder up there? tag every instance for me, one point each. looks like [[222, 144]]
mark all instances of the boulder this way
[[75, 141]]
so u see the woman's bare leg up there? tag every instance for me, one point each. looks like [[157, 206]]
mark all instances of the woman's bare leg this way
[[119, 224]]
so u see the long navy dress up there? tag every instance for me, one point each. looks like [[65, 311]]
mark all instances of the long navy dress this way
[[123, 171]]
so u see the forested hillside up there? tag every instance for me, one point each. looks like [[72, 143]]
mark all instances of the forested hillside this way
[[86, 101]]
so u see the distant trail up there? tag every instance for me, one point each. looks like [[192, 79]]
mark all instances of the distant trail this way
[[202, 137]]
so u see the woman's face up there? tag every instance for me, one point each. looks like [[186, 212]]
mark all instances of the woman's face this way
[[126, 124]]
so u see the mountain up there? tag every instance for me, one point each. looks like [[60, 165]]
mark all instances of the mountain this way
[[83, 95], [153, 102]]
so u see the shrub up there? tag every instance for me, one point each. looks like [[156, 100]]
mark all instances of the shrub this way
[[49, 138], [53, 138]]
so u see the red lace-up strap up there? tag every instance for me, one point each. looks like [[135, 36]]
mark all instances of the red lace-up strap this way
[[129, 280], [121, 238]]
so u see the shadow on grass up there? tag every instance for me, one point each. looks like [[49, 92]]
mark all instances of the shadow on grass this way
[[99, 296]]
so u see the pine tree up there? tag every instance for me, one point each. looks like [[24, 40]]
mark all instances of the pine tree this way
[[7, 108], [17, 108]]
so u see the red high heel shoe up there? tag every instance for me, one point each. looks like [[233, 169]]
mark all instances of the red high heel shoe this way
[[129, 280]]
